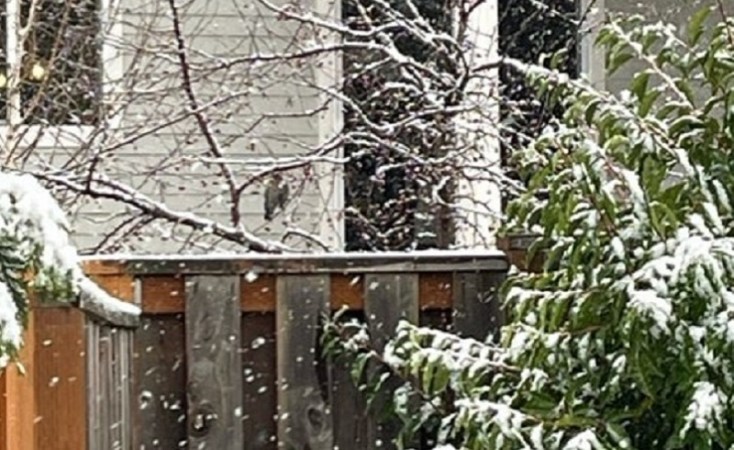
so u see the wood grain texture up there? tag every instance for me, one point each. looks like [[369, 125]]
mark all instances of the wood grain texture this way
[[389, 298], [17, 416], [162, 294], [258, 295], [214, 383], [109, 386], [259, 385], [305, 421], [60, 378], [347, 291], [477, 309], [348, 404], [104, 267], [159, 387], [436, 290], [121, 286]]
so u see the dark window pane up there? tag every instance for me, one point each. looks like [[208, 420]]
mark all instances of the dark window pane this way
[[388, 189], [531, 31], [61, 72], [3, 60]]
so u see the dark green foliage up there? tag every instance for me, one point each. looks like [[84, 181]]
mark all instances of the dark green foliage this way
[[625, 339]]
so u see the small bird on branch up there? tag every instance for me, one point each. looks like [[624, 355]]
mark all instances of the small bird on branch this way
[[276, 195]]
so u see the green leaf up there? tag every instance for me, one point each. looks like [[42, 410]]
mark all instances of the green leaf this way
[[696, 25], [591, 109], [639, 84]]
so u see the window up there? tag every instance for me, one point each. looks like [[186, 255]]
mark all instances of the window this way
[[60, 70], [530, 30], [389, 200], [389, 194]]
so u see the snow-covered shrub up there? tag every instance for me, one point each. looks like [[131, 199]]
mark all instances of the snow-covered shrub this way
[[626, 338], [36, 257]]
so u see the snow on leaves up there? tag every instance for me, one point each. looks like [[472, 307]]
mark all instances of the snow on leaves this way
[[624, 340]]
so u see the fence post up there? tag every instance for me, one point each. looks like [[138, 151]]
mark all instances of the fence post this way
[[304, 417], [389, 298], [213, 362], [477, 309]]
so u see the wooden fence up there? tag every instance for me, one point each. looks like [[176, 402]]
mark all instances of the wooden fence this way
[[75, 392], [226, 353]]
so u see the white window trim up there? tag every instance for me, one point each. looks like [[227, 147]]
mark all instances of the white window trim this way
[[478, 227], [16, 135], [328, 71], [592, 57]]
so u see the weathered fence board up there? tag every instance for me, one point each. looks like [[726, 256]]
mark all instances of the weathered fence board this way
[[349, 406], [259, 385], [389, 298], [17, 400], [214, 385], [305, 421], [160, 383], [477, 310], [109, 423], [237, 338]]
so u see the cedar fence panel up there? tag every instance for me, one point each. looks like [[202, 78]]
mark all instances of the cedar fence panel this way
[[226, 353]]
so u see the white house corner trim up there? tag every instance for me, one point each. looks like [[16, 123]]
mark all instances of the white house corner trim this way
[[328, 70], [592, 57], [479, 198]]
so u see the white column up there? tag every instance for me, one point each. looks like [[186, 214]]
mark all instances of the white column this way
[[328, 70], [14, 54], [592, 57], [479, 200]]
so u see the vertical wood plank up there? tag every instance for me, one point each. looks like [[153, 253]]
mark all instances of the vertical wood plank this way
[[477, 311], [92, 371], [259, 385], [159, 371], [60, 378], [305, 419], [18, 414], [126, 388], [104, 369], [214, 385], [349, 406], [114, 386], [389, 298]]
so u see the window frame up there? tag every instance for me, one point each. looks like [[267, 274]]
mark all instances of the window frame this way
[[476, 231], [476, 228], [591, 57], [15, 134]]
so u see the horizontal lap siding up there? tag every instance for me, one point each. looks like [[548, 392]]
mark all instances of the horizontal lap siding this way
[[161, 164], [677, 12]]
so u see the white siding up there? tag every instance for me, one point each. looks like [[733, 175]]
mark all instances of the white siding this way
[[162, 164], [677, 12]]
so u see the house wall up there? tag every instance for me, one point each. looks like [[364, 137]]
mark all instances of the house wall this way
[[677, 12], [165, 163], [155, 151]]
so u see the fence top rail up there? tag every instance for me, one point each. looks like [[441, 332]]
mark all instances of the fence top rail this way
[[233, 263]]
